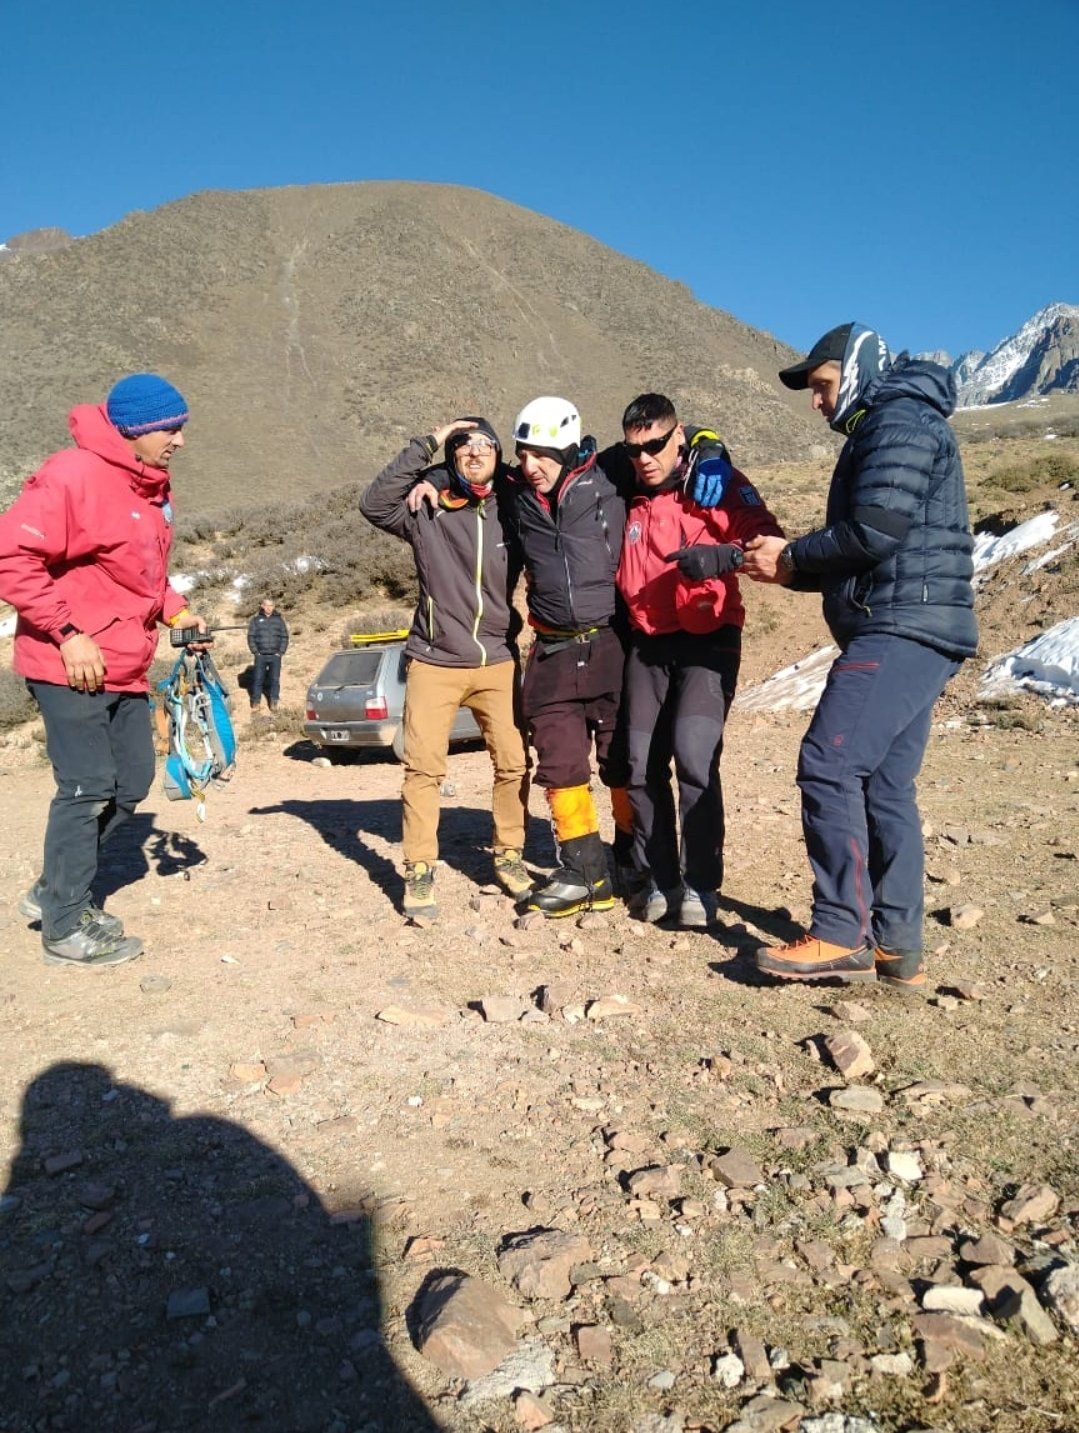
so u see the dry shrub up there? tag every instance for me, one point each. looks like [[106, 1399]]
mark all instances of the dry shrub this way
[[16, 703], [1025, 477]]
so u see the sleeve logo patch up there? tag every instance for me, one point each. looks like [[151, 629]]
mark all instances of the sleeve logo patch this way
[[750, 496], [633, 532]]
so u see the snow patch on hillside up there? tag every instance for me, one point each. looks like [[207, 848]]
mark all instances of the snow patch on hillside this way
[[1047, 665]]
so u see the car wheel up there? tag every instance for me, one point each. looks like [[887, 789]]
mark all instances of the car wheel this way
[[399, 742]]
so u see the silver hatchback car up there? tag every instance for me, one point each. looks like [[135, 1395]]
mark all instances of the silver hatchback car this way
[[358, 699]]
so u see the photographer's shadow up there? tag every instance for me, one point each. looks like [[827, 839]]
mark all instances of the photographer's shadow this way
[[171, 1273]]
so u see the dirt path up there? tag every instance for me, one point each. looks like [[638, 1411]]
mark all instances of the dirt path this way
[[234, 1085]]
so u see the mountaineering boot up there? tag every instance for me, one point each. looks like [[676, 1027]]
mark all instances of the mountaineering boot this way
[[581, 883], [810, 958], [698, 909], [30, 907], [902, 970], [420, 891], [89, 944], [510, 873]]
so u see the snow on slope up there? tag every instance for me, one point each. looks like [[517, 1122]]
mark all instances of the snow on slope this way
[[1050, 670], [982, 382], [1047, 665]]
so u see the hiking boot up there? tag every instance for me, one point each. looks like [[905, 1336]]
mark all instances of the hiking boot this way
[[569, 892], [420, 890], [90, 944], [511, 875], [651, 904], [697, 910], [809, 958], [902, 970], [30, 906]]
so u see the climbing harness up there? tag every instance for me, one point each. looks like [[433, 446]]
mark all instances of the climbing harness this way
[[201, 740]]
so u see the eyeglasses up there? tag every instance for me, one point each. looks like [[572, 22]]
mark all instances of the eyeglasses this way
[[479, 444], [653, 446]]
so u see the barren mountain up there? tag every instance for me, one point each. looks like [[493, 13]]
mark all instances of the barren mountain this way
[[313, 329]]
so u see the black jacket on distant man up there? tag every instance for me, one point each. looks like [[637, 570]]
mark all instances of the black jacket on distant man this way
[[267, 636], [894, 556]]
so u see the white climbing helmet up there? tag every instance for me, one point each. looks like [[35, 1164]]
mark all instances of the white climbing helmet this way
[[548, 423]]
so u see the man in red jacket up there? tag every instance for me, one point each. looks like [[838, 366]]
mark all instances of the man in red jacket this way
[[84, 553], [677, 577]]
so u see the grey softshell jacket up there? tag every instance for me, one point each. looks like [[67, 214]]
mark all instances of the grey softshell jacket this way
[[466, 565]]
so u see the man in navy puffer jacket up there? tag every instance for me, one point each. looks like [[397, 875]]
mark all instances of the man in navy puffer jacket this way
[[893, 563]]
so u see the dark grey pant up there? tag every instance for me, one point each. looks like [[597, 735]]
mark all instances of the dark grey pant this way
[[679, 688], [266, 678], [102, 751]]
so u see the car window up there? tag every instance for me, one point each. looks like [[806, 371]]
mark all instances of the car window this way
[[350, 669]]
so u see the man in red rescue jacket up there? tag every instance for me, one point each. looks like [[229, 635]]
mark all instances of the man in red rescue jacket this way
[[84, 553], [677, 577]]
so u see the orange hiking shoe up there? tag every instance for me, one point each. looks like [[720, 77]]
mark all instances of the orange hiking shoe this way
[[811, 959], [902, 970]]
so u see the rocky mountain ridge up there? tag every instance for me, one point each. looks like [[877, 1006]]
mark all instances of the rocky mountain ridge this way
[[1041, 358]]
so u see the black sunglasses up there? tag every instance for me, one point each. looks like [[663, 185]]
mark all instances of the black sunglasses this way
[[653, 447]]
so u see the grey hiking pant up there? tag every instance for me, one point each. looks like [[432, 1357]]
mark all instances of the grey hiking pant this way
[[679, 688], [102, 751]]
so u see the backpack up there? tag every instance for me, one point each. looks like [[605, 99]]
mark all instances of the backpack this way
[[201, 740]]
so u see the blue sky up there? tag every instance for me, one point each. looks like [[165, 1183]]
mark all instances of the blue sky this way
[[912, 165]]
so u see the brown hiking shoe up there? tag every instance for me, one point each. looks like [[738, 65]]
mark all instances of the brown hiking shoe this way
[[809, 958], [420, 891], [902, 970], [511, 875]]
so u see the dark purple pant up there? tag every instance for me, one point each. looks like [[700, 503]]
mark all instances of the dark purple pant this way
[[570, 698], [679, 688], [856, 769]]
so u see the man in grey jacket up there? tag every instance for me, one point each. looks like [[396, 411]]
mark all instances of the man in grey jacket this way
[[462, 643]]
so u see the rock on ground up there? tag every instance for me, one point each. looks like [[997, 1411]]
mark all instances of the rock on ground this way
[[465, 1327]]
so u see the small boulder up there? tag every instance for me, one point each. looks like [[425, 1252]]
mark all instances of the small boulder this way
[[464, 1326]]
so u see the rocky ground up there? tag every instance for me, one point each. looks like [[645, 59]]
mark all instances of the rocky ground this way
[[243, 1167], [306, 1167]]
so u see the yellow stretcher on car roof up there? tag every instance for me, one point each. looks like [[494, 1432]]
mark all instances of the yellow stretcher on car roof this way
[[368, 639]]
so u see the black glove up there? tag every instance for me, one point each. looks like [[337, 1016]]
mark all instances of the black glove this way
[[707, 560]]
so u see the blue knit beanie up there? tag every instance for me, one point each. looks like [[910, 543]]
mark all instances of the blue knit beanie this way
[[145, 403]]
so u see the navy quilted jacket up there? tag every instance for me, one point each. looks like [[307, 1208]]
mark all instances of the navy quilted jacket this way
[[895, 554]]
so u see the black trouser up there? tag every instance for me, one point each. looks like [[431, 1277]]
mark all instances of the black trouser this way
[[679, 688], [266, 678], [569, 697], [102, 751]]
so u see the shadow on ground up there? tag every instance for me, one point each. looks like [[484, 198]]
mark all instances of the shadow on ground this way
[[139, 846], [464, 836], [166, 1273]]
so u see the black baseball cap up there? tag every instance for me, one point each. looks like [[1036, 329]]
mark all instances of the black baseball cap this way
[[829, 349]]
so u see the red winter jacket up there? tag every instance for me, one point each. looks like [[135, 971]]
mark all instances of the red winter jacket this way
[[87, 542], [657, 595]]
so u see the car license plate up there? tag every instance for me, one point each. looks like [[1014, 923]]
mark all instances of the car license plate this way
[[337, 735]]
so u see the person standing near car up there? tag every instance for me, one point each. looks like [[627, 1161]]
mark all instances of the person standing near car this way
[[267, 641], [84, 553], [462, 646]]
